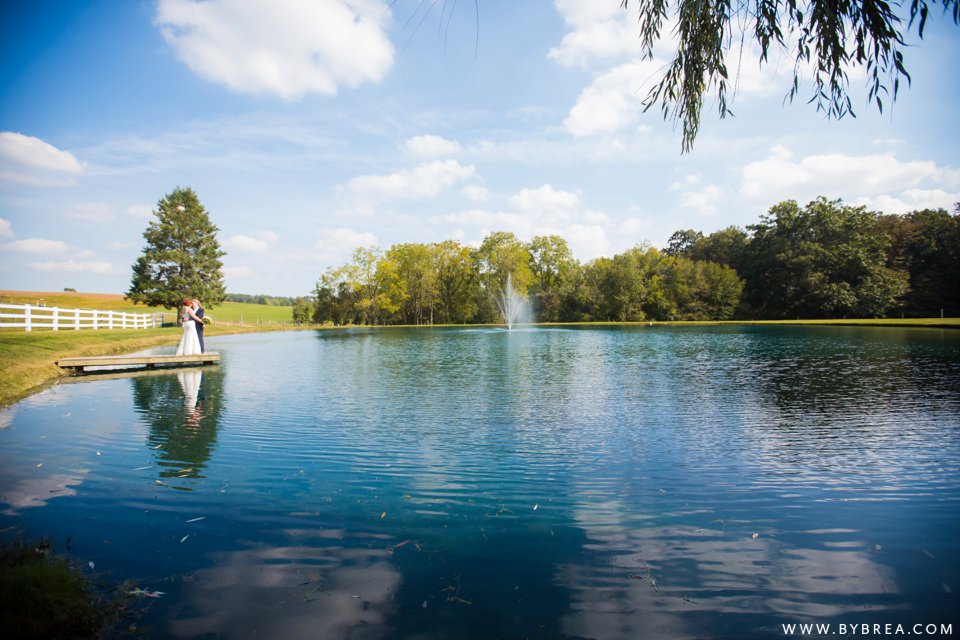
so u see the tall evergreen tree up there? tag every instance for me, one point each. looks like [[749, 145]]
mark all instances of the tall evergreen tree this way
[[182, 255]]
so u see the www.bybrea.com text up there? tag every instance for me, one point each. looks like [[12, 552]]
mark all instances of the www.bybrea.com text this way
[[842, 629]]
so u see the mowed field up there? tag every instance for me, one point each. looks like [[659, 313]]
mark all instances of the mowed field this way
[[228, 312]]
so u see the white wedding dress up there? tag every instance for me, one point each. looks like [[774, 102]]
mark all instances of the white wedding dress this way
[[189, 342]]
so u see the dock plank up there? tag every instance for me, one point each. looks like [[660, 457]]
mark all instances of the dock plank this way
[[149, 361]]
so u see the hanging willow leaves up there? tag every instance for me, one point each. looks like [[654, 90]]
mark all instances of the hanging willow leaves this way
[[830, 37]]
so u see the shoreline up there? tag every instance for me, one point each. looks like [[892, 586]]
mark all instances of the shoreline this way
[[28, 360]]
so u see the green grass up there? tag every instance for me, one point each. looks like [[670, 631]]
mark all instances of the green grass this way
[[28, 360], [42, 596], [250, 314], [228, 312]]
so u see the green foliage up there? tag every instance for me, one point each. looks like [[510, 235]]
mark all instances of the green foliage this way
[[825, 260], [927, 244], [182, 255], [829, 36], [260, 298], [501, 254], [819, 261], [553, 268], [302, 310], [43, 597]]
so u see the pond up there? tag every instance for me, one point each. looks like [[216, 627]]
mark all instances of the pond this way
[[621, 482]]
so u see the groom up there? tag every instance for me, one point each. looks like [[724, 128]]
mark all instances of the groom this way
[[198, 311]]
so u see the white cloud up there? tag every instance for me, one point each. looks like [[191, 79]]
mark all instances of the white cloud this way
[[597, 30], [6, 231], [587, 241], [288, 48], [834, 175], [92, 212], [28, 160], [613, 101], [73, 266], [337, 245], [237, 272], [476, 193], [545, 198], [912, 200], [432, 146], [139, 211], [120, 246], [266, 236], [245, 243], [705, 201], [35, 245], [424, 181]]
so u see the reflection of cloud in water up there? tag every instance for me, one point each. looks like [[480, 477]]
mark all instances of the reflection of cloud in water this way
[[291, 592], [46, 398], [680, 581], [27, 493]]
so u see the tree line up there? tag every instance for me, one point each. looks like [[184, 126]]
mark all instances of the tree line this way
[[260, 298], [825, 259]]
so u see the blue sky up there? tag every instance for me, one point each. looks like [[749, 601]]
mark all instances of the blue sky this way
[[309, 128]]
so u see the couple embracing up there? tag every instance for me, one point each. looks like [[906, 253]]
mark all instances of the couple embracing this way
[[191, 316]]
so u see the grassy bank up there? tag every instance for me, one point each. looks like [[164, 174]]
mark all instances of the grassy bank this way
[[28, 360]]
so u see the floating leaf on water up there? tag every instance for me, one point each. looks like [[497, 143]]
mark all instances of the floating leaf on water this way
[[39, 465], [946, 587], [755, 536], [928, 553], [398, 545], [196, 519], [383, 515], [424, 605], [184, 538], [878, 548], [99, 454], [536, 506], [91, 565]]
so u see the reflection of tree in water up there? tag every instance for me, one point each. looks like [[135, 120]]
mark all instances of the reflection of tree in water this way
[[183, 412]]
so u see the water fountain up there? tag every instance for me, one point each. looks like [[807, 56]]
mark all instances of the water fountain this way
[[513, 306]]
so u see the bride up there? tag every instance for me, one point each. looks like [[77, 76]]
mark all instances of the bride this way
[[189, 342]]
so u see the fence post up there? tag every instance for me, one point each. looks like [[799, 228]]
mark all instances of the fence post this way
[[110, 319], [26, 318], [76, 320], [56, 318], [95, 320]]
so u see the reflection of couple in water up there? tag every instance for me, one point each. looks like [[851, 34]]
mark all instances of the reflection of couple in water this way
[[191, 316], [190, 383]]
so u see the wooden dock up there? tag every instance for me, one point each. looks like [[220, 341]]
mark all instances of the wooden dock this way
[[80, 364]]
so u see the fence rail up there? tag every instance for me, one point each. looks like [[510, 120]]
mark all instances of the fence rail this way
[[30, 317]]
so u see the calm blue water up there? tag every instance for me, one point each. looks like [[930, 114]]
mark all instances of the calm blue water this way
[[552, 483]]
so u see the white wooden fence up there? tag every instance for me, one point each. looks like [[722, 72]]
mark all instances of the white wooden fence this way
[[29, 317]]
